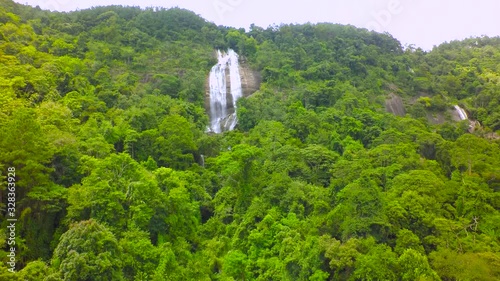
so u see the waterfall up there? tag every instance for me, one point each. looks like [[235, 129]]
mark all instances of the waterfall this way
[[218, 100], [222, 112], [463, 116], [461, 112]]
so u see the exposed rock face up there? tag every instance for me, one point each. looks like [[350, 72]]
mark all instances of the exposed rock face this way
[[458, 114], [436, 117], [394, 105], [462, 115], [250, 81], [230, 79]]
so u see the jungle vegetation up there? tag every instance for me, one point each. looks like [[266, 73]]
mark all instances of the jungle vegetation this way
[[102, 115]]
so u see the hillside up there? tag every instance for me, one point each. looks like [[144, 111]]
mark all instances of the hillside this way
[[103, 138]]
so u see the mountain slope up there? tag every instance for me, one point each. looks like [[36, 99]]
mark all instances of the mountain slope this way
[[103, 120]]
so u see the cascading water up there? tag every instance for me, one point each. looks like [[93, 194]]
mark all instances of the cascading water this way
[[222, 112], [218, 90], [235, 79], [463, 116], [461, 113]]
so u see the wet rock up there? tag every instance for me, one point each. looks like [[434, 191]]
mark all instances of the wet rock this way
[[394, 104]]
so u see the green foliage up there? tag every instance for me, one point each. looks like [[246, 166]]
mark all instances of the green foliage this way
[[88, 250], [452, 265], [414, 266], [140, 257], [359, 210], [102, 113], [379, 263]]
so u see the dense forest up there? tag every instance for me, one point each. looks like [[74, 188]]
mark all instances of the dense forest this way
[[103, 118]]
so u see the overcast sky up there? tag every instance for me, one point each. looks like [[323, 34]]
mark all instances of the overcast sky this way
[[424, 23]]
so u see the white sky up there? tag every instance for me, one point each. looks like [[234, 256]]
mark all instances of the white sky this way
[[424, 23]]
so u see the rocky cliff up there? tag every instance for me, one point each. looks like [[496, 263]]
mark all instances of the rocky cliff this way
[[250, 81], [394, 104]]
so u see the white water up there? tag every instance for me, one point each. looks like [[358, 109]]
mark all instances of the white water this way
[[222, 115], [461, 113]]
